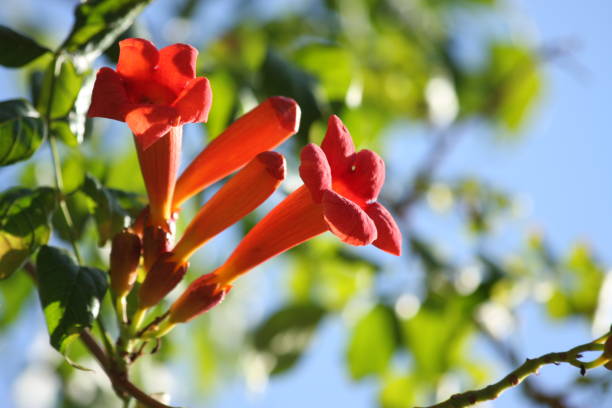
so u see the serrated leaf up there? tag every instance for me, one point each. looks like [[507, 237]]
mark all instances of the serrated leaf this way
[[109, 215], [24, 225], [287, 333], [97, 25], [70, 294], [21, 131], [372, 343], [16, 49]]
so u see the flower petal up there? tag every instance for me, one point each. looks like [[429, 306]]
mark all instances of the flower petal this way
[[193, 104], [338, 146], [109, 98], [367, 176], [176, 66], [150, 122], [137, 58], [261, 129], [347, 220], [244, 192], [315, 171], [389, 236]]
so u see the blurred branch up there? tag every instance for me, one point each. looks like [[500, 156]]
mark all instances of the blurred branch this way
[[529, 367]]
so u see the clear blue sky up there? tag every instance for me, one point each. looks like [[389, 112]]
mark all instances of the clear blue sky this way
[[562, 164]]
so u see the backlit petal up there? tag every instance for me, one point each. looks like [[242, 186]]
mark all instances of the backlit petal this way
[[151, 122], [109, 98], [367, 176], [389, 236], [261, 129], [244, 192], [193, 104], [137, 58], [347, 220], [315, 171], [338, 146], [176, 66]]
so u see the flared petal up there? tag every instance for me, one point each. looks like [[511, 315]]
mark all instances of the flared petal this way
[[161, 279], [389, 236], [367, 175], [315, 171], [244, 192], [177, 66], [194, 102], [159, 165], [338, 146], [150, 122], [109, 98], [201, 296], [296, 219], [137, 59], [347, 220], [261, 129]]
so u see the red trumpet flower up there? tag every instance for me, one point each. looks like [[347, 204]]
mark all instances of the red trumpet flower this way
[[155, 93], [263, 128], [339, 193]]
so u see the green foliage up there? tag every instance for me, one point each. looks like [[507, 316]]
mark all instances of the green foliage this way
[[372, 343], [21, 131], [70, 295], [16, 49], [24, 225], [285, 335], [98, 23]]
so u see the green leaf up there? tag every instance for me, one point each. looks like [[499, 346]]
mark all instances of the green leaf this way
[[97, 25], [397, 392], [109, 215], [24, 225], [372, 343], [16, 49], [70, 294], [60, 89], [14, 295], [225, 99], [21, 131], [287, 333]]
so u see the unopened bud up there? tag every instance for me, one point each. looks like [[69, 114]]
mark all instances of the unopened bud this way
[[124, 260], [163, 276], [156, 241], [201, 296]]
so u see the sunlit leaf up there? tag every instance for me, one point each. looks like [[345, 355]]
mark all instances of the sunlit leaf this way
[[397, 392], [21, 131], [60, 89], [24, 225], [14, 294], [70, 294], [372, 343], [98, 23], [16, 49], [286, 334]]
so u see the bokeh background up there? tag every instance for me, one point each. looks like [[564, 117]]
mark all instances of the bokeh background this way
[[492, 116]]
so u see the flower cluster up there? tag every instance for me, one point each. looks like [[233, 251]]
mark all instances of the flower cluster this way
[[155, 92]]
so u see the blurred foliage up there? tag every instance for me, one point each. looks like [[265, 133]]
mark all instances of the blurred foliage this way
[[379, 64]]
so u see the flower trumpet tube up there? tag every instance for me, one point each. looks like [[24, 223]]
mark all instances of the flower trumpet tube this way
[[155, 92], [244, 192], [263, 128], [338, 195], [250, 187]]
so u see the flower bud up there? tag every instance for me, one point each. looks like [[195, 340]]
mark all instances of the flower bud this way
[[156, 241], [124, 260], [201, 296], [163, 276]]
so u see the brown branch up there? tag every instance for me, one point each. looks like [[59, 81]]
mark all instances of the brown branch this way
[[513, 379], [119, 380]]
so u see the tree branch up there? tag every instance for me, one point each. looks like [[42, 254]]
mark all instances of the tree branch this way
[[529, 367]]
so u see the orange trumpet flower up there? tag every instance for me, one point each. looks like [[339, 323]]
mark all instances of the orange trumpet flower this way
[[263, 128], [155, 93], [244, 192], [338, 195]]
